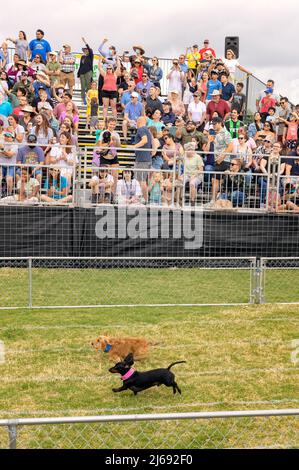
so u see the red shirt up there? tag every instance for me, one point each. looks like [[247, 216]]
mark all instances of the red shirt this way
[[267, 103], [222, 108], [205, 49]]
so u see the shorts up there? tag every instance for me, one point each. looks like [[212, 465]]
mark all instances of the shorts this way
[[223, 166], [94, 120], [142, 175], [104, 161], [196, 180], [292, 144], [109, 94], [8, 171]]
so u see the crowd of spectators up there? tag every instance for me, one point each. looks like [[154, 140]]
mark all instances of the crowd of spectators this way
[[199, 127]]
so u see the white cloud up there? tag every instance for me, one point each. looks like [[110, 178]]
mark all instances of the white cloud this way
[[268, 33]]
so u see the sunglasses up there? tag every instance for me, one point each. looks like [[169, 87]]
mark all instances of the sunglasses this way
[[233, 164], [241, 138]]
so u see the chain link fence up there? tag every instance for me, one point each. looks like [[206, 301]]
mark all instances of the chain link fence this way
[[132, 281], [240, 429], [75, 282], [280, 280]]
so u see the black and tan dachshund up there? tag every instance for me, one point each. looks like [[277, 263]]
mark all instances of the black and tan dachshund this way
[[138, 381]]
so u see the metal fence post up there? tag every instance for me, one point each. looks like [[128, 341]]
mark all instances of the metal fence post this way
[[30, 282], [12, 436], [259, 282]]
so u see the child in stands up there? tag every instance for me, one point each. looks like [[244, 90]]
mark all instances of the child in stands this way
[[92, 93]]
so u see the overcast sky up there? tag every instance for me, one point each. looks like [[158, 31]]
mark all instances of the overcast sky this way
[[268, 31]]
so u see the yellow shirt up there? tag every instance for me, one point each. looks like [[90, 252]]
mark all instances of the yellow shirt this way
[[191, 62]]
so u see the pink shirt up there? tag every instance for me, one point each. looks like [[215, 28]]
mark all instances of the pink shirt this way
[[292, 131]]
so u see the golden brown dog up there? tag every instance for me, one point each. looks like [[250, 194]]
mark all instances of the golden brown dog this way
[[119, 348]]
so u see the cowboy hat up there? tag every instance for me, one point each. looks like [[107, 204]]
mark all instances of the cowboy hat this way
[[140, 48], [28, 109]]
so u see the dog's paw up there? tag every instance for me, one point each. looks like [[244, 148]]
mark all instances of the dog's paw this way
[[115, 390]]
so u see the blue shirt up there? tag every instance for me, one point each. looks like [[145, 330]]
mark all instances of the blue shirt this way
[[143, 155], [40, 46], [126, 98], [227, 91], [141, 86], [184, 67], [211, 86], [58, 186], [134, 111], [33, 155]]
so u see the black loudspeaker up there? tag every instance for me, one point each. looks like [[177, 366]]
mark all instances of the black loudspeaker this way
[[232, 42]]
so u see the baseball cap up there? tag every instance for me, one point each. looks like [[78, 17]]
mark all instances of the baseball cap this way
[[268, 139], [53, 53], [216, 93], [42, 74], [66, 45], [196, 93], [206, 41], [175, 91], [31, 138], [269, 90], [8, 134], [46, 105], [134, 94], [215, 72]]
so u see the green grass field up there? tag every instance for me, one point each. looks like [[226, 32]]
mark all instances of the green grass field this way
[[237, 358], [84, 287]]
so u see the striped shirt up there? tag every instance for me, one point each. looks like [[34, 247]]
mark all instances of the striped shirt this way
[[65, 67]]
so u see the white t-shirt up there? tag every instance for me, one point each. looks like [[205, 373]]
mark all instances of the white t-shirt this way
[[231, 64], [68, 165], [197, 110], [8, 148], [128, 189], [29, 186]]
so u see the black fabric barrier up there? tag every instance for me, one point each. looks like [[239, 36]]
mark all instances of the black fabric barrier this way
[[64, 232]]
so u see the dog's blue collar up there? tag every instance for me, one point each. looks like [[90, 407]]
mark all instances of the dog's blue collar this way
[[107, 348]]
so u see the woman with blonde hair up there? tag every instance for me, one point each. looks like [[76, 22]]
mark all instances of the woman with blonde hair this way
[[232, 64]]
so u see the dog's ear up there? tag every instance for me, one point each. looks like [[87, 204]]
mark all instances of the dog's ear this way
[[129, 359]]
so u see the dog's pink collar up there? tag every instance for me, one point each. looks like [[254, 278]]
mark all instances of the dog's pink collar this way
[[128, 374]]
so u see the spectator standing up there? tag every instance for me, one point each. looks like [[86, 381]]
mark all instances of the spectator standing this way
[[155, 72], [53, 68], [193, 57], [85, 71], [176, 78], [8, 157], [39, 46], [109, 88], [92, 94], [213, 85], [67, 63], [284, 112], [182, 63], [37, 64], [143, 161], [232, 64], [262, 94], [206, 47], [266, 102], [222, 158], [238, 100], [133, 111], [228, 88], [21, 45]]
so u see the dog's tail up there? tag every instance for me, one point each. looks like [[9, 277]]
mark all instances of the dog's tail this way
[[174, 363]]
